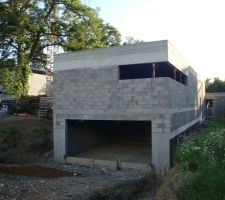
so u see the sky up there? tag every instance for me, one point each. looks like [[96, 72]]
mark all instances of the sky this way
[[195, 27]]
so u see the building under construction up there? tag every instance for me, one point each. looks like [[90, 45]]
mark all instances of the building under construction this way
[[126, 103]]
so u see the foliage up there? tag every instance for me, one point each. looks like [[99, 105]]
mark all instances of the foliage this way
[[209, 149], [205, 159], [216, 85], [132, 40], [7, 78], [28, 27]]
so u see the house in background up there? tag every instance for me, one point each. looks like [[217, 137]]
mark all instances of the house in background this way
[[40, 84], [39, 94], [215, 104], [125, 103]]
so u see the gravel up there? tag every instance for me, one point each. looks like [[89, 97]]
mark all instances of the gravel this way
[[86, 184]]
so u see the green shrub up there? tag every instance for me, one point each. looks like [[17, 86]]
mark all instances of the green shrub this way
[[209, 149], [188, 155], [204, 157]]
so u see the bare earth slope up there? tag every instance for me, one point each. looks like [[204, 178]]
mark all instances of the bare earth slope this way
[[24, 139]]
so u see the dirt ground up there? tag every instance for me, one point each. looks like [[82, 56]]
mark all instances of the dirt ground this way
[[28, 141], [35, 171], [169, 185], [24, 139], [85, 184]]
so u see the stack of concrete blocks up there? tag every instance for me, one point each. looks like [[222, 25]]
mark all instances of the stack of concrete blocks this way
[[87, 87]]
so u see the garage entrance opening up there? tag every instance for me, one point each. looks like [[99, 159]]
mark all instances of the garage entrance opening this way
[[127, 141]]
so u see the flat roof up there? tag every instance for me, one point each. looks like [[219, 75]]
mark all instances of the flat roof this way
[[146, 52]]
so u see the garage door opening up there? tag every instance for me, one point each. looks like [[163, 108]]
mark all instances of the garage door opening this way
[[127, 141]]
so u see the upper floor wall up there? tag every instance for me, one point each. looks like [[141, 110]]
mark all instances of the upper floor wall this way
[[102, 89], [91, 79]]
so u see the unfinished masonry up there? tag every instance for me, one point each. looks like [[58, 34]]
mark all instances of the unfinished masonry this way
[[124, 103]]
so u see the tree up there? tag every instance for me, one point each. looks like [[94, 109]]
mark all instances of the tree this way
[[216, 85], [27, 27], [132, 40], [7, 78]]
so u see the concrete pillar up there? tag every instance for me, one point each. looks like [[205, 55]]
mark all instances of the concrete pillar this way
[[160, 150], [153, 70], [160, 153], [175, 74], [59, 142]]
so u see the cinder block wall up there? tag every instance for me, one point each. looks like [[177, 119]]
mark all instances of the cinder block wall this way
[[101, 89], [99, 94]]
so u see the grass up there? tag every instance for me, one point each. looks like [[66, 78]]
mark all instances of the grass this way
[[204, 160], [207, 184]]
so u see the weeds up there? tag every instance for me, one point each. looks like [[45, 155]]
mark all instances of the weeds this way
[[204, 157]]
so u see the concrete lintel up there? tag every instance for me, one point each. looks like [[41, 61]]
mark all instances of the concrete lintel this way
[[105, 112]]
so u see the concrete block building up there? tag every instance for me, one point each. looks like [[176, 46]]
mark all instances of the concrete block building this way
[[142, 95]]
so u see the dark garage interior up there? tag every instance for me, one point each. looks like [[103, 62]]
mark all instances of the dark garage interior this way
[[128, 141]]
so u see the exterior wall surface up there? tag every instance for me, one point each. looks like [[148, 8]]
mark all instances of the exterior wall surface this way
[[87, 87], [39, 85]]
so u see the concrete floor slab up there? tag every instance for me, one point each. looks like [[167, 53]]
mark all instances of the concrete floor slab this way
[[134, 153]]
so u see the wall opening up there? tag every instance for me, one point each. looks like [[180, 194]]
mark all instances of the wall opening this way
[[209, 103], [151, 70], [129, 141]]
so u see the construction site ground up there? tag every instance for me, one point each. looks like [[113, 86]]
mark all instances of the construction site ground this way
[[27, 169]]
